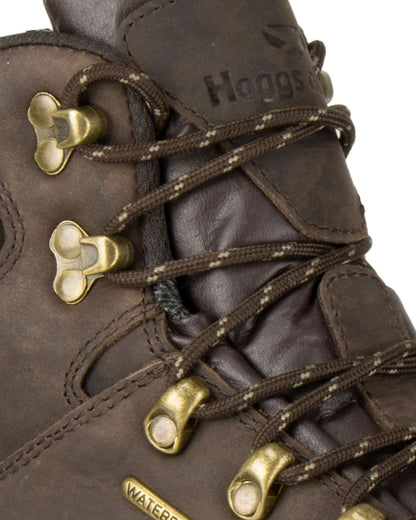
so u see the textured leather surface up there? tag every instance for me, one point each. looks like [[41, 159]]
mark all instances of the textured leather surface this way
[[241, 64], [232, 212], [183, 43], [82, 460], [235, 212], [37, 349]]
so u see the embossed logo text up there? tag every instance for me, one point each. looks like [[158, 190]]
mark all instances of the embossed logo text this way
[[149, 502], [268, 87]]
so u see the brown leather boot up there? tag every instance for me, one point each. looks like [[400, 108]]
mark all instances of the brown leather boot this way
[[189, 327]]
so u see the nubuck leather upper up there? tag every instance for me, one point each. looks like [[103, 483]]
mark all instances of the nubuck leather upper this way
[[190, 329]]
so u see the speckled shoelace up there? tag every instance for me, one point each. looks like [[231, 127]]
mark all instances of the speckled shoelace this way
[[270, 131]]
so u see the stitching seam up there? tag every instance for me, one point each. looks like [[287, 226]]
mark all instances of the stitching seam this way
[[74, 395], [15, 221], [341, 329], [97, 408], [293, 208]]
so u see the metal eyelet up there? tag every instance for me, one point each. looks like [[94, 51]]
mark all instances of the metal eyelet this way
[[326, 85], [58, 131], [362, 512], [81, 259], [253, 492], [169, 424]]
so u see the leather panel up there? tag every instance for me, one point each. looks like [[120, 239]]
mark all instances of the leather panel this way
[[37, 349], [102, 442], [364, 316]]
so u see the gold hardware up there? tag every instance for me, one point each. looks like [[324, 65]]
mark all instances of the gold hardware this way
[[169, 424], [81, 259], [253, 492], [362, 512], [327, 85], [48, 156], [59, 131], [149, 502], [76, 126]]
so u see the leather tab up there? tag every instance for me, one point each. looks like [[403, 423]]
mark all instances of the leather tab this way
[[364, 316], [224, 60]]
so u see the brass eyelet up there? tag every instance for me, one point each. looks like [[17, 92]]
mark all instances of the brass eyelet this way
[[169, 424], [81, 259], [78, 126], [253, 492], [362, 512], [58, 131], [326, 85]]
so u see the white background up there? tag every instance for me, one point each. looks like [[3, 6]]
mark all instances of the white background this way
[[371, 58]]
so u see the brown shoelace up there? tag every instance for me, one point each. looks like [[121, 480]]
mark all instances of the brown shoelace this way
[[271, 131]]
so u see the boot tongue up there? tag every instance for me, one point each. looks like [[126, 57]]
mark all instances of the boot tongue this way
[[224, 60]]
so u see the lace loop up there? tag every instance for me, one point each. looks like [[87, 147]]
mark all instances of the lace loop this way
[[320, 465], [128, 76], [336, 118], [268, 252], [379, 474], [362, 371]]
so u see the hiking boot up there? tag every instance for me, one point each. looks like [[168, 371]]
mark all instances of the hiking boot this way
[[189, 327]]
